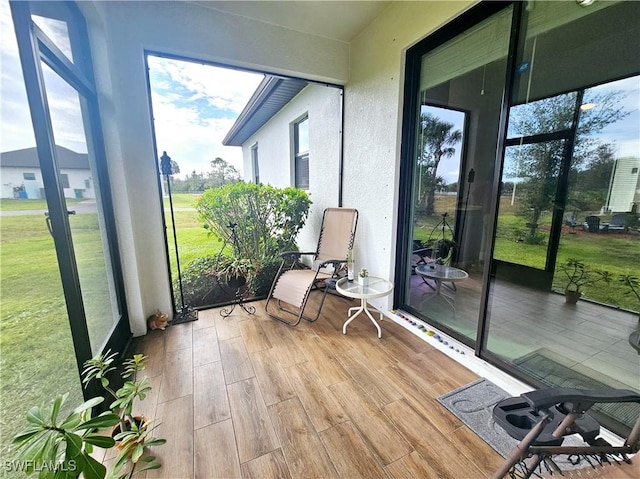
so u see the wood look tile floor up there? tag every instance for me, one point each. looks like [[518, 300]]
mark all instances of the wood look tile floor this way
[[248, 397]]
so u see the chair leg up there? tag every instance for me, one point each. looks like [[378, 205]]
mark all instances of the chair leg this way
[[300, 314]]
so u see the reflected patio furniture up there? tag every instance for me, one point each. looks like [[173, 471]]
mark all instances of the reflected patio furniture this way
[[542, 419], [294, 282], [592, 225], [618, 222], [422, 256], [570, 220], [442, 274]]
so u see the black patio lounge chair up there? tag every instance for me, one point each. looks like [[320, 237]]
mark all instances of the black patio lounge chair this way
[[542, 419]]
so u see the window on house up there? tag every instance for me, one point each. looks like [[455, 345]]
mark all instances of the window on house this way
[[254, 162], [64, 180], [633, 171], [301, 152], [29, 176]]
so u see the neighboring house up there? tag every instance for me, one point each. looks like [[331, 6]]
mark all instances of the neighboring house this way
[[289, 132], [624, 190], [21, 177]]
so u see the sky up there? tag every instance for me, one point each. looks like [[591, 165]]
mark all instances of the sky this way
[[194, 107]]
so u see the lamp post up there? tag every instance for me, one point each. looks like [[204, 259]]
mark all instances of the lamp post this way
[[184, 314]]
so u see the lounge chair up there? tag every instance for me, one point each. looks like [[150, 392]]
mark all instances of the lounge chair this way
[[542, 419], [294, 282]]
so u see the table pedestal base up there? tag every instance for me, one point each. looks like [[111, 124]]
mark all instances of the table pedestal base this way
[[364, 307]]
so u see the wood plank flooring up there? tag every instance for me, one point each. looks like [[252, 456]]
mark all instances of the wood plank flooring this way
[[249, 397]]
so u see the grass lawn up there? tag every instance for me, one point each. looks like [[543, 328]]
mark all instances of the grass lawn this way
[[618, 254], [37, 360]]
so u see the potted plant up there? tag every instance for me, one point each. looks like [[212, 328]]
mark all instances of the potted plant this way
[[364, 277], [442, 249], [57, 446], [578, 276], [233, 271], [132, 432]]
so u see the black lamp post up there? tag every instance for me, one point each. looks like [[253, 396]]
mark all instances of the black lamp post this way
[[184, 314]]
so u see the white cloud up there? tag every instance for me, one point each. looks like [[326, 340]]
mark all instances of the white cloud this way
[[190, 134]]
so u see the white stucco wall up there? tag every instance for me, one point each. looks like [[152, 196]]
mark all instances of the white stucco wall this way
[[373, 114], [275, 152], [119, 34]]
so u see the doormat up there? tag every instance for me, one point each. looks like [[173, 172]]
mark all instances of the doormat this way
[[553, 370], [473, 405]]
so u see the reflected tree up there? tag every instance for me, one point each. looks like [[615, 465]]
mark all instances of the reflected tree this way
[[436, 141], [539, 163]]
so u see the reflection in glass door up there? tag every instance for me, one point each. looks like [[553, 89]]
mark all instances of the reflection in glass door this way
[[76, 169], [569, 191], [55, 316], [454, 145]]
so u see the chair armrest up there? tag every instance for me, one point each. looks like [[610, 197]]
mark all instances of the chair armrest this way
[[293, 254], [582, 399], [335, 262]]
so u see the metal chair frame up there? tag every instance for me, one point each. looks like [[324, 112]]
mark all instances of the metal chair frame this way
[[570, 405], [291, 261]]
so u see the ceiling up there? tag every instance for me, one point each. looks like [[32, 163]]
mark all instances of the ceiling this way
[[338, 20]]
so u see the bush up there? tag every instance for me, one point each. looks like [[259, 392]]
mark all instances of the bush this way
[[199, 285], [266, 219]]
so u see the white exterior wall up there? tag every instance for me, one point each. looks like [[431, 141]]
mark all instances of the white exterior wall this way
[[119, 34], [373, 121], [276, 155], [625, 186], [13, 176]]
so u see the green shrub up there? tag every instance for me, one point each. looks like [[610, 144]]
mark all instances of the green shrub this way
[[199, 283], [267, 221]]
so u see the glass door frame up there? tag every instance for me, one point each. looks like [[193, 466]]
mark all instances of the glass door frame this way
[[407, 167], [34, 47]]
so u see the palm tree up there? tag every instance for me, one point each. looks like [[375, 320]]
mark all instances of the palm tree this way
[[436, 142]]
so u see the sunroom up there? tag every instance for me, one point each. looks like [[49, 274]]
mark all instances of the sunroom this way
[[540, 103]]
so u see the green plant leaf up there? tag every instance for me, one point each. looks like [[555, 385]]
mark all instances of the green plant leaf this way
[[57, 402], [89, 404], [72, 421], [34, 416], [93, 469], [26, 435], [152, 465], [74, 444], [104, 442], [137, 453], [98, 422]]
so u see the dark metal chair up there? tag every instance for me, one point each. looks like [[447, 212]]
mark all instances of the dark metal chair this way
[[542, 419], [592, 225]]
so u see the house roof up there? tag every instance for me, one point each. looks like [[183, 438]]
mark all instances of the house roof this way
[[28, 158], [270, 97]]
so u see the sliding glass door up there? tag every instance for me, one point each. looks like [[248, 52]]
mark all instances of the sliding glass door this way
[[457, 111], [533, 107]]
